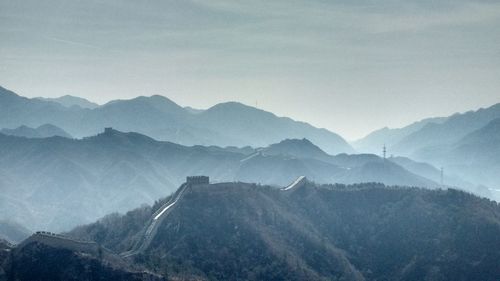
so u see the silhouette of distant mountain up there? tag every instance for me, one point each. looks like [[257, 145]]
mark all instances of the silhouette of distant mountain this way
[[373, 142], [431, 132], [43, 131], [70, 101], [446, 133], [226, 124], [449, 179], [488, 135], [476, 156], [13, 232], [464, 144], [299, 148], [45, 178]]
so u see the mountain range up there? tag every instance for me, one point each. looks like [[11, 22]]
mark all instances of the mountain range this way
[[237, 231], [225, 124], [476, 156], [43, 131], [287, 201], [465, 144], [71, 101], [43, 179]]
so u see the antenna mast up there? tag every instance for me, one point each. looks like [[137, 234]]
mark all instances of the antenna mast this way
[[384, 151], [442, 176]]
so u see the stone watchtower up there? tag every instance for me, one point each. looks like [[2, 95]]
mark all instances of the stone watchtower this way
[[194, 180]]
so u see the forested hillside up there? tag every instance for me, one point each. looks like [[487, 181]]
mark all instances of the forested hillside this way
[[235, 231]]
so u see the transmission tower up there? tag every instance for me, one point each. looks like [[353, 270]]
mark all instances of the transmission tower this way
[[442, 176]]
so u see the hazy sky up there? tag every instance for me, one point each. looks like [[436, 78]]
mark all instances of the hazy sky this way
[[349, 66]]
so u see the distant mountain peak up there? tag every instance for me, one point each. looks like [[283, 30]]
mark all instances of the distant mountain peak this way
[[301, 148], [224, 124], [43, 131], [70, 101], [147, 103], [232, 105]]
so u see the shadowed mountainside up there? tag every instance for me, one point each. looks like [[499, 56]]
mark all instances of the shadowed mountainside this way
[[39, 258], [237, 231]]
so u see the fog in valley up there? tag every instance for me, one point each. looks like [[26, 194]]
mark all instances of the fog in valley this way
[[229, 140]]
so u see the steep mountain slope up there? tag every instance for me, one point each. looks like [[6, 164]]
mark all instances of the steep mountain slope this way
[[70, 101], [41, 179], [235, 231], [485, 140], [227, 124], [476, 156], [447, 133], [347, 168], [262, 128], [428, 133], [16, 111], [464, 144], [43, 131], [299, 148], [373, 142], [42, 257]]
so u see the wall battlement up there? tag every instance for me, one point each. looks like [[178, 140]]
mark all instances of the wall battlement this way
[[60, 241], [197, 180]]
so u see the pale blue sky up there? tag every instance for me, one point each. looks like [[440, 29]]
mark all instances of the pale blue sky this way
[[349, 66]]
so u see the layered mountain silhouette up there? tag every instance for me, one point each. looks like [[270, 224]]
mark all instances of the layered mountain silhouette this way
[[302, 148], [429, 132], [464, 144], [13, 232], [225, 124], [56, 183], [237, 231], [43, 131], [449, 132], [476, 156], [70, 101], [389, 137]]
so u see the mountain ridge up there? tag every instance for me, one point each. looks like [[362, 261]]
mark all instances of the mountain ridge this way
[[42, 131], [163, 119], [114, 170], [70, 101], [233, 231]]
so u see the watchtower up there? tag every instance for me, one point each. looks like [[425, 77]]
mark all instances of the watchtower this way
[[197, 180], [108, 130]]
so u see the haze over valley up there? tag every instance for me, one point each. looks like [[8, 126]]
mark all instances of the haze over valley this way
[[68, 162], [224, 140], [47, 172]]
